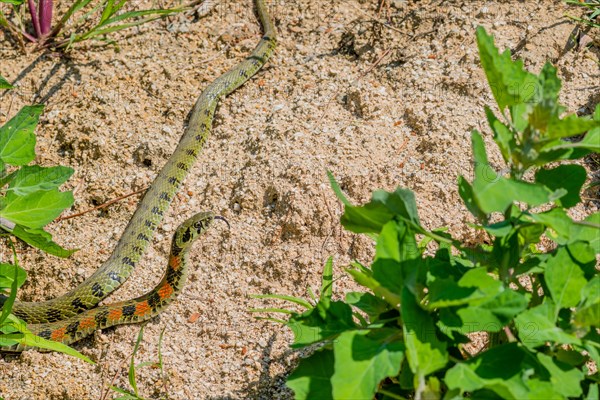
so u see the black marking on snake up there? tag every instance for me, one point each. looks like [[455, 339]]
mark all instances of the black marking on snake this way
[[176, 250], [97, 290], [46, 333], [141, 236], [207, 112], [182, 166], [267, 38], [191, 152], [72, 328], [186, 236], [126, 261], [154, 300], [78, 305], [156, 211], [115, 277], [149, 224], [101, 317], [128, 310], [165, 196], [137, 249], [53, 314]]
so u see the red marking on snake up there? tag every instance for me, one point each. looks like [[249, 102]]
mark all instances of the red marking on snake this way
[[142, 308], [165, 291], [58, 334], [115, 314], [89, 322], [174, 262]]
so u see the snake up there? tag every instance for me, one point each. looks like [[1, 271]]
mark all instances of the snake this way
[[75, 314]]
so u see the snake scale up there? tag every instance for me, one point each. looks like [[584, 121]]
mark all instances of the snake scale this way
[[75, 315]]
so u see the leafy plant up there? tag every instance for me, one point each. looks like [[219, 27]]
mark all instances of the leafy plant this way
[[29, 200], [412, 332], [95, 20]]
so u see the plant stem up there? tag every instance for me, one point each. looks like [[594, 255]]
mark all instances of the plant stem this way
[[45, 16], [34, 18]]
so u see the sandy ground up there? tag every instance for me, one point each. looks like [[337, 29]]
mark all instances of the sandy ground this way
[[380, 105]]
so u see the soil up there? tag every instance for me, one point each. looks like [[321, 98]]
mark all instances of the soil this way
[[381, 98]]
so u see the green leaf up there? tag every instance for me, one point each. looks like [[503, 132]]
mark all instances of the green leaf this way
[[321, 323], [509, 82], [564, 278], [588, 232], [570, 126], [382, 292], [37, 209], [565, 379], [17, 140], [337, 190], [536, 326], [465, 190], [383, 206], [424, 351], [42, 240], [568, 177], [312, 378], [503, 136], [495, 193], [4, 84], [363, 359], [30, 179], [8, 273], [14, 2], [372, 305], [327, 281]]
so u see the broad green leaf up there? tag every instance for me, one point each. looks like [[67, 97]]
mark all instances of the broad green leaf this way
[[593, 393], [8, 273], [424, 351], [383, 206], [382, 292], [321, 323], [568, 177], [499, 369], [372, 305], [509, 82], [363, 359], [557, 220], [37, 209], [570, 126], [588, 231], [564, 278], [42, 240], [4, 84], [312, 377], [536, 326], [565, 379], [17, 140], [465, 190], [495, 193], [32, 178]]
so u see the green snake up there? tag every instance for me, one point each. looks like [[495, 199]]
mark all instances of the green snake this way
[[69, 318]]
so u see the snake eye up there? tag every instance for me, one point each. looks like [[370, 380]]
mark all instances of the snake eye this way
[[199, 225]]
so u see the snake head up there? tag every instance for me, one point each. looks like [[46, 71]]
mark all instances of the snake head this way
[[192, 228]]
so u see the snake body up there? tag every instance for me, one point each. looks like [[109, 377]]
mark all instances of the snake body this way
[[130, 311], [62, 313]]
